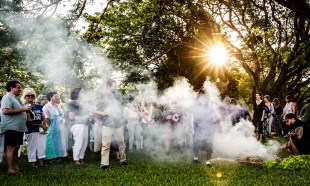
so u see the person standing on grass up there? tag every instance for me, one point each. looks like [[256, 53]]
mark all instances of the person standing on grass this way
[[55, 139], [132, 115], [269, 109], [173, 119], [36, 140], [147, 121], [277, 122], [205, 121], [79, 119], [299, 142], [258, 116], [287, 109], [13, 123], [109, 107]]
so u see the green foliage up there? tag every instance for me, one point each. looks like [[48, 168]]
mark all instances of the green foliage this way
[[272, 44], [11, 60], [29, 46], [169, 39], [9, 5], [292, 163], [153, 36]]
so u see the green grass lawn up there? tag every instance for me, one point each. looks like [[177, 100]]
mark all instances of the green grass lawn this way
[[143, 169]]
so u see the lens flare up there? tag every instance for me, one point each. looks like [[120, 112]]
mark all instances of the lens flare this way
[[218, 55], [219, 174]]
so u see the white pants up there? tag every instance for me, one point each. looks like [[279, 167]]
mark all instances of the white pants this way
[[97, 136], [134, 133], [36, 146], [80, 137], [1, 147], [63, 136], [107, 133], [23, 146]]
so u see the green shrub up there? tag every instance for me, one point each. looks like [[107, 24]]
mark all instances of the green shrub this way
[[290, 163]]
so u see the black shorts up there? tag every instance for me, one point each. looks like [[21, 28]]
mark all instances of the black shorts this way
[[303, 148], [13, 138]]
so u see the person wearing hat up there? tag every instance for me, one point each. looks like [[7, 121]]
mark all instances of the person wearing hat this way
[[299, 142]]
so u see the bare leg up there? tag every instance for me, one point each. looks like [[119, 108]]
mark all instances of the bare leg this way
[[41, 162], [117, 155], [290, 146], [167, 144], [10, 156], [15, 160], [293, 147], [209, 155]]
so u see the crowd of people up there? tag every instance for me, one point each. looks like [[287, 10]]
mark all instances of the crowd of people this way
[[54, 130]]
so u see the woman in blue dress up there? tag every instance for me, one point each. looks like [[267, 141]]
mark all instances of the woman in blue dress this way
[[56, 146]]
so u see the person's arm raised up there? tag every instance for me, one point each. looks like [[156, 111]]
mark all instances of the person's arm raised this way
[[8, 111]]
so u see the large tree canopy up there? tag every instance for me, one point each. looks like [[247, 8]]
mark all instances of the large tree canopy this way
[[274, 44], [269, 40], [29, 34], [152, 38]]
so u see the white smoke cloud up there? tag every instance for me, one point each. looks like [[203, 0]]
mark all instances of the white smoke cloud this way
[[239, 142], [50, 50]]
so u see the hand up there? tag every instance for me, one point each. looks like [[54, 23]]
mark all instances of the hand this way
[[91, 116], [26, 108], [44, 128], [106, 112]]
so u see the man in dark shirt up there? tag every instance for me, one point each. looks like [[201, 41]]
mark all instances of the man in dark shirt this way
[[299, 142]]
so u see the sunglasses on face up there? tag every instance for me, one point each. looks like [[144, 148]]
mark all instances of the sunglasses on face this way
[[28, 96]]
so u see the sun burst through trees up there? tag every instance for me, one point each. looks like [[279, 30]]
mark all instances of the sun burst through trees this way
[[217, 55]]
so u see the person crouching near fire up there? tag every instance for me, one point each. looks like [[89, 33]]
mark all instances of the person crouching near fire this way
[[299, 142]]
